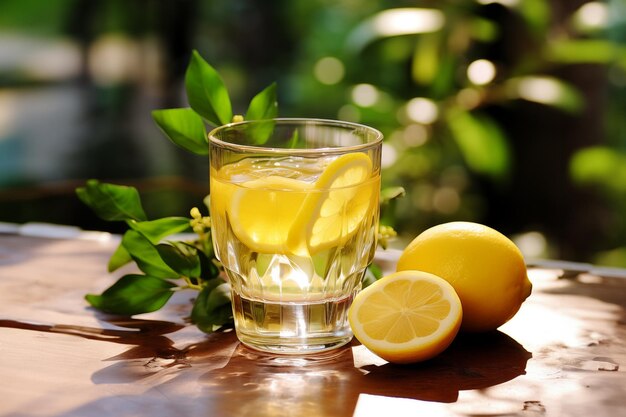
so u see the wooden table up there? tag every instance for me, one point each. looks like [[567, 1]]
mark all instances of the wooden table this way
[[563, 354]]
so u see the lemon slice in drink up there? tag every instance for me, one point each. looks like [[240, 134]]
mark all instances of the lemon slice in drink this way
[[336, 205], [262, 211], [406, 317]]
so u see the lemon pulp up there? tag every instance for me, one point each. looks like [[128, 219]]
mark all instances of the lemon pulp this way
[[294, 206], [408, 316]]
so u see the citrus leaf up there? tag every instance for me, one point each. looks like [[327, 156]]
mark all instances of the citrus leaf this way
[[112, 202], [156, 230], [212, 307], [391, 193], [180, 257], [263, 105], [481, 143], [133, 294], [545, 90], [184, 128], [536, 13], [600, 166], [372, 274], [208, 269], [119, 258], [381, 25], [584, 51], [146, 255], [206, 91]]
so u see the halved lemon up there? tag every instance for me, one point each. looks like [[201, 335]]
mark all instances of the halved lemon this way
[[406, 317], [262, 211], [338, 202]]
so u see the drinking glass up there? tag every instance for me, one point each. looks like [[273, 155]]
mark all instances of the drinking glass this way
[[294, 208]]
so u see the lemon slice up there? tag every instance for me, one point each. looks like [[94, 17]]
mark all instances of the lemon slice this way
[[338, 202], [406, 317], [262, 211]]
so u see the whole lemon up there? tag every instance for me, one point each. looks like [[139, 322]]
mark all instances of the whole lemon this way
[[485, 268]]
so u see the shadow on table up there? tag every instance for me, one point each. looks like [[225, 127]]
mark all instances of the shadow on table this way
[[221, 375], [330, 384]]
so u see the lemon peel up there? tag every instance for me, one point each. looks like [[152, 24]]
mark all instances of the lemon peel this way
[[339, 200], [485, 268]]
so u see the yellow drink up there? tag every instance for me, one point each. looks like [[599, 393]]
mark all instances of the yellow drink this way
[[295, 234]]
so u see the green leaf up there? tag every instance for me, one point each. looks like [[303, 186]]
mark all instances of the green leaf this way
[[184, 128], [212, 308], [537, 15], [600, 166], [133, 294], [482, 29], [391, 193], [585, 51], [263, 105], [181, 257], [156, 230], [481, 142], [372, 274], [208, 268], [545, 90], [381, 25], [146, 255], [293, 141], [119, 258], [206, 92], [112, 202], [426, 58]]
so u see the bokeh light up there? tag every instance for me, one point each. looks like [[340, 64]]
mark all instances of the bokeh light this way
[[329, 70], [422, 110], [365, 95], [481, 72]]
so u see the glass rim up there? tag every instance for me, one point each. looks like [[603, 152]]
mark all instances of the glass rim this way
[[378, 137]]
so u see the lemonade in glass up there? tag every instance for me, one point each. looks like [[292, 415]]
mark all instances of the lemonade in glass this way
[[294, 207]]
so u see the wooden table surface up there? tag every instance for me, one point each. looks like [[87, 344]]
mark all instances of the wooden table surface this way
[[563, 354]]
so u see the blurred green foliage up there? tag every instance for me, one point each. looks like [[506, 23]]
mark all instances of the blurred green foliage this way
[[507, 112]]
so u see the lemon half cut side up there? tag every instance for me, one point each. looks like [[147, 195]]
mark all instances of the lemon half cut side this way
[[406, 317], [339, 200]]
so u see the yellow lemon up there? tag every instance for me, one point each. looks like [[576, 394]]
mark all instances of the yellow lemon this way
[[405, 317], [262, 211], [337, 204], [485, 268]]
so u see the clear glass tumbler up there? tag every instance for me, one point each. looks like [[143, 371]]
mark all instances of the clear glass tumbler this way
[[294, 208]]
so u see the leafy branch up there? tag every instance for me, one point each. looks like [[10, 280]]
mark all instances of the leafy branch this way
[[168, 264]]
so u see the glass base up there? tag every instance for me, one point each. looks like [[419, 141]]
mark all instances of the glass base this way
[[292, 327], [284, 346]]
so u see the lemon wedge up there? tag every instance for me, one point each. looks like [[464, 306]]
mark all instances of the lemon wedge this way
[[336, 205], [406, 317], [262, 211]]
